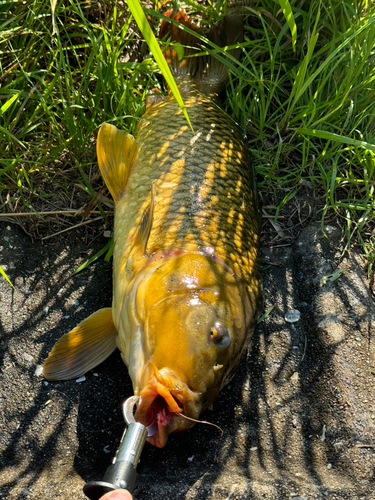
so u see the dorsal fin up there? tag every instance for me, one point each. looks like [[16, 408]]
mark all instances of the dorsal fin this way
[[117, 151], [144, 229]]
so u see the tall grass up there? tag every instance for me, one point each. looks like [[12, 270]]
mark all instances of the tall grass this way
[[313, 108], [60, 81], [304, 90]]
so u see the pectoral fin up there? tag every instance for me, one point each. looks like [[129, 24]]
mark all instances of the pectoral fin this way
[[83, 348], [117, 151]]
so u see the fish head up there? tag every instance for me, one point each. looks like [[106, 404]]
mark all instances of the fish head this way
[[194, 312]]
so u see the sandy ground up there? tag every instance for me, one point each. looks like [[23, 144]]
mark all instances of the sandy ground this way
[[298, 418]]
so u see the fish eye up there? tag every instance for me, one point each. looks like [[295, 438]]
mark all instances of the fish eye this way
[[220, 335]]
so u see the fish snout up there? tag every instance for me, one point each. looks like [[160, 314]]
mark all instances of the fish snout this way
[[162, 402]]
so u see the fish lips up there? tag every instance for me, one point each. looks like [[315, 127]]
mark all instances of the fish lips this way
[[162, 401]]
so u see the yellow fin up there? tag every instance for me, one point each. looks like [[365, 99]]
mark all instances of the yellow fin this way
[[83, 348], [117, 151], [144, 229]]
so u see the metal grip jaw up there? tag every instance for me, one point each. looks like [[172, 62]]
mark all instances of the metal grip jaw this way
[[122, 472]]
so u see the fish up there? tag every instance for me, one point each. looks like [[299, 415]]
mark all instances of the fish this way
[[186, 276]]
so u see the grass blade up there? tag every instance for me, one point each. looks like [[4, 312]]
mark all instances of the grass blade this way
[[141, 20], [8, 103], [331, 136], [288, 14], [105, 249], [2, 272]]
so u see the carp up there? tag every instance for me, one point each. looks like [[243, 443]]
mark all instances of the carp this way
[[186, 277]]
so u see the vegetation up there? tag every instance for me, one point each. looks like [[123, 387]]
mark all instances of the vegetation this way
[[304, 92]]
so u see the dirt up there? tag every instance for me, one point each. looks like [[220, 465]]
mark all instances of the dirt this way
[[298, 418]]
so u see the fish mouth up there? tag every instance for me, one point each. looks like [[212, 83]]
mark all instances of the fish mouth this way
[[162, 401]]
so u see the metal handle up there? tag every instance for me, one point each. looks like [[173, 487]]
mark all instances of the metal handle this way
[[122, 472]]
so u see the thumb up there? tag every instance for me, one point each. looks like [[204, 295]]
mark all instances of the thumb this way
[[117, 495]]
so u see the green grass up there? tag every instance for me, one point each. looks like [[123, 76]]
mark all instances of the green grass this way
[[304, 90]]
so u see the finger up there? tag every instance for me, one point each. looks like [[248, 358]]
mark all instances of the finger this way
[[117, 495]]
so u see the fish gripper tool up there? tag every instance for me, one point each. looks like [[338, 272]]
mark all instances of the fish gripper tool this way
[[122, 472]]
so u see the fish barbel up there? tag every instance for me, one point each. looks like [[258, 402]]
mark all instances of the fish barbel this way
[[186, 280]]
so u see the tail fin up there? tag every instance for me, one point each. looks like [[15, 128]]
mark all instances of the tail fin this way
[[207, 69]]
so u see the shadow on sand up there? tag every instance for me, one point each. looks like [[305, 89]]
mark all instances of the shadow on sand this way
[[272, 413]]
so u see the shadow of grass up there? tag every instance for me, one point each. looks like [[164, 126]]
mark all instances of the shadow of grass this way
[[38, 417]]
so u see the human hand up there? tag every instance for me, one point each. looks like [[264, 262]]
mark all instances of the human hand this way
[[117, 495]]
